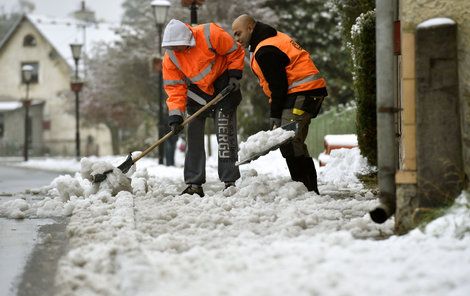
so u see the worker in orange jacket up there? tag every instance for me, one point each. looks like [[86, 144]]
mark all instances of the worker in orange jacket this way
[[293, 85], [199, 62]]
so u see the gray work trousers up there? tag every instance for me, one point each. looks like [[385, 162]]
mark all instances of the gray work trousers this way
[[225, 123]]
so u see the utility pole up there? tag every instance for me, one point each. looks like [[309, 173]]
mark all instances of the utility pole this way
[[76, 86], [27, 71], [160, 11], [193, 6]]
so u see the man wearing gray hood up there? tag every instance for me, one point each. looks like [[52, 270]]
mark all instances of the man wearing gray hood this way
[[199, 62]]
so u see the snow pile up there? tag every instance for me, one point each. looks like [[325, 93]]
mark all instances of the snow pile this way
[[62, 195], [153, 241], [57, 200], [15, 209], [116, 181], [68, 186], [342, 168], [456, 222], [166, 243], [262, 140], [161, 243]]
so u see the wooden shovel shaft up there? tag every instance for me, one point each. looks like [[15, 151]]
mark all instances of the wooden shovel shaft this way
[[211, 103]]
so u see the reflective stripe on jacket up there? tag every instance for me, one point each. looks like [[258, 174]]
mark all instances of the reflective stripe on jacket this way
[[214, 53], [302, 74]]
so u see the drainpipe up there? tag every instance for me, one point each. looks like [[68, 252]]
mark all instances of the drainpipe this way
[[386, 93]]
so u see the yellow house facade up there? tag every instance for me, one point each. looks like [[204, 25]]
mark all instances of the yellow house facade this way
[[44, 43], [423, 91]]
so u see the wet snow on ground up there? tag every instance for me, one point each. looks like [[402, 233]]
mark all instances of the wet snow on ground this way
[[266, 236]]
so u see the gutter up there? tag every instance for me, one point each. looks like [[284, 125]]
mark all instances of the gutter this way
[[386, 68]]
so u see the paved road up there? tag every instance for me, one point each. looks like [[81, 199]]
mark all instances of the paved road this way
[[13, 179], [29, 248]]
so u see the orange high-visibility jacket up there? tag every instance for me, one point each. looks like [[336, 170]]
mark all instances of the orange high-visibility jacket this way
[[214, 53], [302, 74]]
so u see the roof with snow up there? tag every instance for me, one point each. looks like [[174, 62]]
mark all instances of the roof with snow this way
[[61, 32], [14, 105], [438, 21], [8, 106]]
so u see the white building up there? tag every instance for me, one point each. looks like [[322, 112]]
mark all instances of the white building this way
[[44, 43]]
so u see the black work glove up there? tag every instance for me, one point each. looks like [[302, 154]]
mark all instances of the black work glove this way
[[274, 122], [234, 83], [175, 123], [176, 128]]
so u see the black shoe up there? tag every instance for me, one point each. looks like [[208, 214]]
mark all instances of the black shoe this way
[[229, 184], [194, 189]]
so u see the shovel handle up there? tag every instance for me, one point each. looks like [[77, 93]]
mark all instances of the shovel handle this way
[[209, 104]]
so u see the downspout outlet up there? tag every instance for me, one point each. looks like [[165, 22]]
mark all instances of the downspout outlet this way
[[382, 213]]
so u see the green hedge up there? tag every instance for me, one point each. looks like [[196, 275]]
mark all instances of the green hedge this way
[[363, 56]]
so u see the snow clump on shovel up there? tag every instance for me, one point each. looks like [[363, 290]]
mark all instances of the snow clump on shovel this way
[[260, 141], [115, 181]]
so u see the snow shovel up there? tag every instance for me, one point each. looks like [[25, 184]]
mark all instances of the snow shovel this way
[[127, 164], [291, 126]]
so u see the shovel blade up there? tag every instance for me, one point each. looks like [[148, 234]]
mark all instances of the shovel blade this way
[[127, 164]]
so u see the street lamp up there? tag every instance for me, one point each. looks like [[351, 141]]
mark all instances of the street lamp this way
[[160, 13], [27, 72], [76, 86]]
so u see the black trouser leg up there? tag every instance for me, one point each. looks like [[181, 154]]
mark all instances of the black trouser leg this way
[[309, 175], [295, 168], [299, 162], [302, 169]]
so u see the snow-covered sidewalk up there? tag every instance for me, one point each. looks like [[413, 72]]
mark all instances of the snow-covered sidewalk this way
[[266, 236]]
